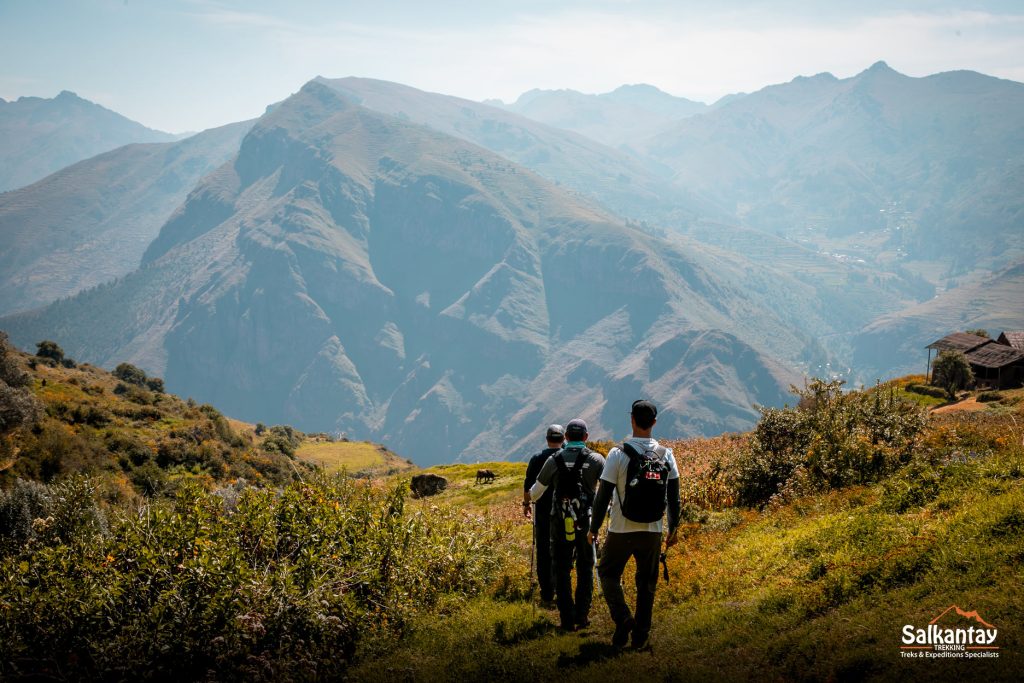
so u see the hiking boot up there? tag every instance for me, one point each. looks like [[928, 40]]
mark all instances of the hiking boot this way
[[641, 641], [622, 631]]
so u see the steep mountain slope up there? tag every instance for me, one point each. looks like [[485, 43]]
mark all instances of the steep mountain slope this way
[[930, 162], [617, 180], [897, 341], [39, 136], [624, 116], [349, 270], [91, 222]]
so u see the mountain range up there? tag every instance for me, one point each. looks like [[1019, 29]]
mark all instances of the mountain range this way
[[91, 222], [930, 162], [350, 270], [620, 117], [39, 136], [446, 276]]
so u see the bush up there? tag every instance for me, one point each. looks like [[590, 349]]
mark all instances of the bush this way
[[989, 396], [926, 390], [283, 587], [952, 372], [50, 350], [126, 372], [829, 440], [17, 404]]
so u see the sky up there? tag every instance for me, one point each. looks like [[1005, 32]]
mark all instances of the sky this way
[[188, 65]]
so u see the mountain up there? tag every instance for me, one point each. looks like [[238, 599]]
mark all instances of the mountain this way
[[624, 116], [896, 342], [39, 136], [350, 270], [926, 164], [91, 222], [618, 180]]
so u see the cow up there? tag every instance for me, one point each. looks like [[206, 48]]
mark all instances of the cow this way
[[484, 476]]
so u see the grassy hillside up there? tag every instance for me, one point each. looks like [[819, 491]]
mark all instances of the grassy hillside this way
[[358, 458], [134, 441], [815, 588], [861, 514]]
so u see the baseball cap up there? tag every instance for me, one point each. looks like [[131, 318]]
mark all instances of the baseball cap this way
[[644, 411], [576, 429], [556, 432]]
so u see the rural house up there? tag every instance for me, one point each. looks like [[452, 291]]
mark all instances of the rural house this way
[[996, 363]]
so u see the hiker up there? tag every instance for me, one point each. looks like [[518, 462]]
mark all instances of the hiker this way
[[555, 437], [640, 480], [572, 473]]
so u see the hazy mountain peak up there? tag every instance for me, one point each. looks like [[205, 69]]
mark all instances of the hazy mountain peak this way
[[879, 68], [41, 135]]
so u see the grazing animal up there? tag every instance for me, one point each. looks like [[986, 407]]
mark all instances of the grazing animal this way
[[428, 484], [484, 476]]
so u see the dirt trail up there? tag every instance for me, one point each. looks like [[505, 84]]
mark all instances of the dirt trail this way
[[968, 405]]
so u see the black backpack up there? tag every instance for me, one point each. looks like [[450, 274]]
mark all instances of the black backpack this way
[[572, 499], [646, 494]]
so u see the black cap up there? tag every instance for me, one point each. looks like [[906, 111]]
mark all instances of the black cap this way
[[556, 433], [576, 430], [644, 411]]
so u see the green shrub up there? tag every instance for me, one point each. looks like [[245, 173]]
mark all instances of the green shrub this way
[[50, 350], [282, 587], [989, 396], [829, 440], [926, 390], [126, 372], [952, 372]]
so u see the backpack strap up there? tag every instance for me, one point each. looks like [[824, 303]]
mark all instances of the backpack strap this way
[[560, 463], [581, 459], [632, 452], [629, 450]]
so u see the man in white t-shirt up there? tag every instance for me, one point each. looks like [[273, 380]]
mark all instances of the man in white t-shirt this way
[[655, 487]]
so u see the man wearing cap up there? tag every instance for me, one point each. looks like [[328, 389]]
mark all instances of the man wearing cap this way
[[542, 521], [578, 550], [628, 538]]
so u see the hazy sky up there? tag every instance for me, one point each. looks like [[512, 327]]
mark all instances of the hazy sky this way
[[183, 65]]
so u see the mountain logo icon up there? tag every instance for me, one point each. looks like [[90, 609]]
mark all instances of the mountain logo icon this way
[[973, 614]]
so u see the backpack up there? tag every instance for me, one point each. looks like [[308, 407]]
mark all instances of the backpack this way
[[572, 500], [646, 494]]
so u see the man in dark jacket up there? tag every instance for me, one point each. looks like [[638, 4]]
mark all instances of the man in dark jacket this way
[[628, 538], [572, 474], [542, 520]]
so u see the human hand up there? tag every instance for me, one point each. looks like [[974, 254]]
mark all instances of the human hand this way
[[591, 537], [527, 510], [672, 539]]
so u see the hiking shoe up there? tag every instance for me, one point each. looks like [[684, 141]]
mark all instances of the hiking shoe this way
[[641, 641], [622, 631]]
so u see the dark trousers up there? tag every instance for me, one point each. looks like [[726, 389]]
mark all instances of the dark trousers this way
[[564, 555], [645, 546], [545, 568]]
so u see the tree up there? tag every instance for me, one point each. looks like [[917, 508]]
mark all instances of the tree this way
[[50, 349], [126, 372], [979, 333], [17, 404], [952, 372]]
